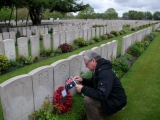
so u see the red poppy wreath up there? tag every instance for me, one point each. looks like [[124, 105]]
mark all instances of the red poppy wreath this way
[[62, 105]]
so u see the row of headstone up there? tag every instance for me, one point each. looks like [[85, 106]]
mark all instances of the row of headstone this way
[[25, 22], [132, 38], [24, 94], [7, 35], [135, 25], [76, 23], [69, 36], [8, 46], [156, 26]]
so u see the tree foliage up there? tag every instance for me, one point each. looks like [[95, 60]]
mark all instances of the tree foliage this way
[[22, 13], [66, 6], [36, 7], [137, 15], [156, 15], [125, 15], [148, 15], [87, 13], [5, 14], [111, 13]]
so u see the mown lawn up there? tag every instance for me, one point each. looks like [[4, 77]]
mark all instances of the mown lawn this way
[[142, 86]]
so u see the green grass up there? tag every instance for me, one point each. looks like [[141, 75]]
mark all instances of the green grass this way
[[141, 82]]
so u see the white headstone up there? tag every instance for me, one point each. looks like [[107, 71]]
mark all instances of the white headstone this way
[[97, 50], [62, 37], [17, 98], [68, 36], [1, 47], [35, 46], [47, 41], [85, 34], [56, 41], [97, 32], [5, 35], [103, 51], [22, 43], [93, 33], [115, 45], [74, 68], [42, 84], [9, 49], [12, 35], [61, 73], [1, 37], [29, 33], [89, 34]]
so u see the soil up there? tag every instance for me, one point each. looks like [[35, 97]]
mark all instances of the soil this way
[[133, 60]]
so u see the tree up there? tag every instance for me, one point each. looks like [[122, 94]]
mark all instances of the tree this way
[[156, 15], [139, 15], [22, 13], [5, 14], [87, 13], [125, 15], [131, 14], [111, 13], [148, 15], [36, 7], [69, 15]]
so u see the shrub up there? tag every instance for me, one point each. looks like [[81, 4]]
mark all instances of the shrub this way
[[108, 35], [29, 60], [58, 50], [112, 36], [133, 29], [134, 50], [91, 42], [120, 32], [86, 75], [21, 59], [128, 56], [115, 33], [16, 64], [97, 39], [75, 47], [46, 53], [65, 48], [80, 42], [123, 31], [103, 37], [44, 113], [4, 64], [121, 65], [151, 36]]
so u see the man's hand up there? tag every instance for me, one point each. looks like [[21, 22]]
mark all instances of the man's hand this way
[[79, 87], [78, 79]]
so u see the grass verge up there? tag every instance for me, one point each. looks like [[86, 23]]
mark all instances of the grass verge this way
[[142, 83]]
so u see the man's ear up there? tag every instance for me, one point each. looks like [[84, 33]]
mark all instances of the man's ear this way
[[94, 60]]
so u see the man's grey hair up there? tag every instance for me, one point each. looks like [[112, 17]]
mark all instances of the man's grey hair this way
[[90, 54]]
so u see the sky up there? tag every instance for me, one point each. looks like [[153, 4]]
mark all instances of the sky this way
[[121, 6]]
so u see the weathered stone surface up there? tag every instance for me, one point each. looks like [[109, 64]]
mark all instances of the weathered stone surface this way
[[17, 98]]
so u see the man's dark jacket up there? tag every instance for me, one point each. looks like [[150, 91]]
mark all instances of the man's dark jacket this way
[[106, 87]]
